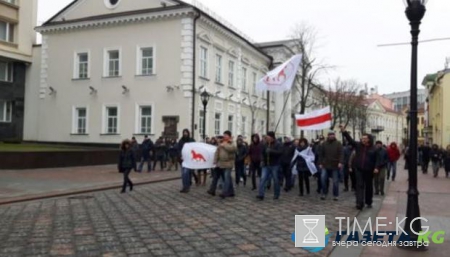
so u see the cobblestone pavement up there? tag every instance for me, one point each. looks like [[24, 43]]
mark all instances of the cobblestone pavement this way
[[156, 220], [19, 184]]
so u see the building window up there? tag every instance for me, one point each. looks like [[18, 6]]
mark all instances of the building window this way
[[6, 71], [112, 120], [10, 1], [146, 55], [218, 68], [80, 124], [203, 62], [201, 119], [217, 125], [82, 66], [5, 111], [262, 126], [112, 63], [244, 126], [231, 74], [6, 31], [230, 122], [145, 119], [244, 80], [253, 85]]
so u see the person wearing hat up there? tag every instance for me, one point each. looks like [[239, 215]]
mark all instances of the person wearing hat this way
[[330, 163], [271, 165]]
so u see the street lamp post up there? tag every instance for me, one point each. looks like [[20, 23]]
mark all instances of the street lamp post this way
[[408, 118], [415, 11], [205, 99]]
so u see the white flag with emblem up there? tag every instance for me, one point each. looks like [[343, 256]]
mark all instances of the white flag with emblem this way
[[281, 78], [198, 156]]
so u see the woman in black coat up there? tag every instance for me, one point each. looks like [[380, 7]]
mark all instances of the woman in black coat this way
[[302, 168], [127, 162]]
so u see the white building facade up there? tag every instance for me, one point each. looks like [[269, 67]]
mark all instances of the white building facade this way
[[109, 70]]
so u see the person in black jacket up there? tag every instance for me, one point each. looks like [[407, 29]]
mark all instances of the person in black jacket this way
[[446, 159], [127, 162], [435, 157], [285, 175], [239, 162], [160, 151], [382, 168], [185, 172], [425, 152], [146, 148], [365, 161], [271, 165]]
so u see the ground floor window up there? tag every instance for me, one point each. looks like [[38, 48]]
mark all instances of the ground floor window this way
[[5, 111]]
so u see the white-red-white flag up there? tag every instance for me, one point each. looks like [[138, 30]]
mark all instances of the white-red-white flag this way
[[315, 120], [281, 78]]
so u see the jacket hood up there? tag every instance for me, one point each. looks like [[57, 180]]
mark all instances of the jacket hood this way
[[188, 132], [393, 145], [256, 136]]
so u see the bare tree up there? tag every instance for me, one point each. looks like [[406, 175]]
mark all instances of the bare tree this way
[[304, 39], [345, 99]]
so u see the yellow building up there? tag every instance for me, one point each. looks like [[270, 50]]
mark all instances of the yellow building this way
[[438, 129]]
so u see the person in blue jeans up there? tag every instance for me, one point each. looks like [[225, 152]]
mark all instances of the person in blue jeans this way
[[185, 172], [146, 148], [330, 163], [272, 152]]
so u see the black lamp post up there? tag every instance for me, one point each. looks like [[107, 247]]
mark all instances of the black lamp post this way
[[205, 99], [415, 11], [407, 127]]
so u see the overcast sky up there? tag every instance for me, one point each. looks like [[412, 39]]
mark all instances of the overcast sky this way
[[349, 32]]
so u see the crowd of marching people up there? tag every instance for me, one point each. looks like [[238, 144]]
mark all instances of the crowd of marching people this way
[[265, 162]]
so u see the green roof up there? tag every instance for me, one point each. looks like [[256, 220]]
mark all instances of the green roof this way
[[429, 78]]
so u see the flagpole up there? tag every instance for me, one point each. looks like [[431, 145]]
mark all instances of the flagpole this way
[[282, 112]]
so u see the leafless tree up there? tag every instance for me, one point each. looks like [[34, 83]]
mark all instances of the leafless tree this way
[[304, 41], [345, 100]]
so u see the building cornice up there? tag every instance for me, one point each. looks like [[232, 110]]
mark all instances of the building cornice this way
[[105, 21], [225, 32]]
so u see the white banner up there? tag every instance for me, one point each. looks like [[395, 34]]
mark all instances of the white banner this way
[[315, 120], [309, 158], [198, 156], [281, 78]]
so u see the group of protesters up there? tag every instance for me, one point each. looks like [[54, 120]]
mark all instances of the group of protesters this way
[[361, 166]]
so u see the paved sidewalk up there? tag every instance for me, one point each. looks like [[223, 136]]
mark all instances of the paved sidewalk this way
[[434, 201], [20, 185]]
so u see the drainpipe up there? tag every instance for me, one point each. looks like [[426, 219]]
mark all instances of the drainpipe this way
[[194, 73]]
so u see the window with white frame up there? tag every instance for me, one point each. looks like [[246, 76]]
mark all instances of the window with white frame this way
[[6, 71], [231, 74], [113, 63], [217, 123], [80, 120], [146, 55], [244, 125], [253, 85], [10, 1], [6, 31], [218, 68], [5, 111], [82, 65], [111, 120], [230, 123], [145, 119], [244, 80], [201, 119], [203, 62]]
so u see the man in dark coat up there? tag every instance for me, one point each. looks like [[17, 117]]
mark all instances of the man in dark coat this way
[[382, 168], [425, 151], [271, 165], [288, 150], [146, 148], [365, 162], [330, 163], [255, 153]]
